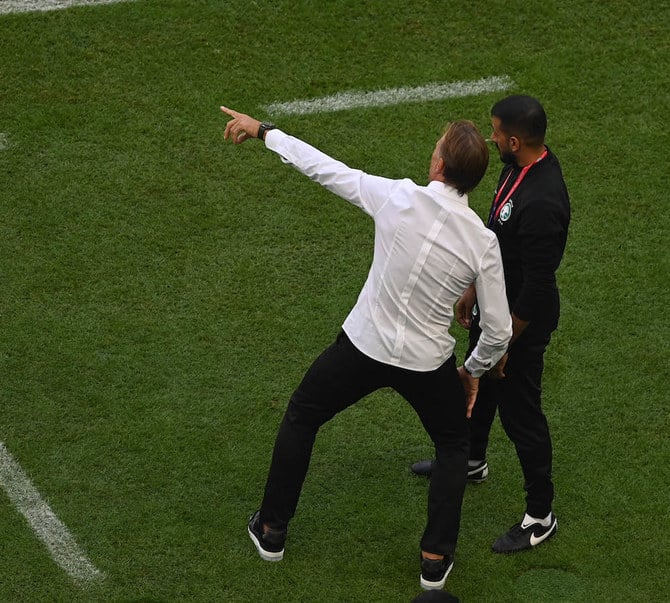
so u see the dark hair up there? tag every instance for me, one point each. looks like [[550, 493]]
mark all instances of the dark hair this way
[[465, 156], [523, 117]]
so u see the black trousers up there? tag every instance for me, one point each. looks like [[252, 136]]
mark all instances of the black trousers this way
[[338, 378], [518, 399]]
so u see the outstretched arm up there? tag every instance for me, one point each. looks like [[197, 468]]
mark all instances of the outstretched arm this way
[[363, 190]]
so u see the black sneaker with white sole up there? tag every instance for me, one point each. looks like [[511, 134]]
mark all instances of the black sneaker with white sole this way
[[478, 471], [523, 536], [434, 572], [270, 545]]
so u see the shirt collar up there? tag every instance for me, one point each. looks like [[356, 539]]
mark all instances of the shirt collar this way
[[448, 191]]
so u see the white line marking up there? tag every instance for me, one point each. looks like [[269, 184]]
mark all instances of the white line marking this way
[[48, 528], [23, 6], [392, 96]]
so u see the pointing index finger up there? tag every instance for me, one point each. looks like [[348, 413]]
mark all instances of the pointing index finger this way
[[229, 111]]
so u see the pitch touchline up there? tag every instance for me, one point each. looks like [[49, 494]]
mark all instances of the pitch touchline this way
[[48, 528], [22, 6], [392, 96]]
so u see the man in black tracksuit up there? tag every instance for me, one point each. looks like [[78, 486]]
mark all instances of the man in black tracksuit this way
[[530, 215]]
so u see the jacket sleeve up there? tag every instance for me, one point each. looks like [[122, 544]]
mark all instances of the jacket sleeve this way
[[542, 236]]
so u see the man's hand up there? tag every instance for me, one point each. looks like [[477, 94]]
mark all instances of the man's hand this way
[[241, 127], [498, 371], [471, 387], [464, 307], [518, 327]]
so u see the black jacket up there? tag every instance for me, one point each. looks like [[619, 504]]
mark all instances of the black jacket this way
[[532, 228]]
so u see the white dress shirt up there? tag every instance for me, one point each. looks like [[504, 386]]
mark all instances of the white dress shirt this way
[[429, 247]]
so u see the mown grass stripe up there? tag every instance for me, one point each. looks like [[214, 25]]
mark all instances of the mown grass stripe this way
[[392, 96], [49, 529]]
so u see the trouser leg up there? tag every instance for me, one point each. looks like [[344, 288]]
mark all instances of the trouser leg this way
[[486, 405], [439, 400], [524, 421], [338, 378]]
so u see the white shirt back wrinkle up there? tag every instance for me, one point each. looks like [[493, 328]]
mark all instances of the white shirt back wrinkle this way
[[411, 283]]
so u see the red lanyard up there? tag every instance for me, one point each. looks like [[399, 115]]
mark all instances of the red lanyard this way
[[498, 205]]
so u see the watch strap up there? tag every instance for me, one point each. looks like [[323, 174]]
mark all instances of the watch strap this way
[[264, 127]]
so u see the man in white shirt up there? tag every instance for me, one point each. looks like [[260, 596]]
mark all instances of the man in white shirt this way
[[428, 248]]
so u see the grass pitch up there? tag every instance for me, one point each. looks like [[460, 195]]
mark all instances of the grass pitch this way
[[162, 293]]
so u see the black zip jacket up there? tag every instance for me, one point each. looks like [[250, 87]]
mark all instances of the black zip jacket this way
[[532, 228]]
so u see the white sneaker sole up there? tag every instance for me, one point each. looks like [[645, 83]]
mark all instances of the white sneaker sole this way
[[265, 555], [428, 585]]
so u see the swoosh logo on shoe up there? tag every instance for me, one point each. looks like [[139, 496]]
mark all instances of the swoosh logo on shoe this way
[[535, 540]]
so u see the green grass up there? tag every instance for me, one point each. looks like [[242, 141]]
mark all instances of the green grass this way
[[161, 294]]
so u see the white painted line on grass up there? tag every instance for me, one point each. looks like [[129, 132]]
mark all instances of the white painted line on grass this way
[[24, 6], [392, 96], [48, 528]]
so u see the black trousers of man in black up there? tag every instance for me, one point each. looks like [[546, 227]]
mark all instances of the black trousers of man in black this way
[[338, 378], [518, 399]]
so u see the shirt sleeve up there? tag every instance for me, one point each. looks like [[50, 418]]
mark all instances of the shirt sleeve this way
[[495, 319], [359, 188]]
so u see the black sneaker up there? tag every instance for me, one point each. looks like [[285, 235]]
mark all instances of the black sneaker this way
[[434, 572], [270, 545], [523, 536], [477, 472]]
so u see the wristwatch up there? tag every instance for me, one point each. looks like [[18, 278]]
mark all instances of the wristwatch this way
[[264, 127]]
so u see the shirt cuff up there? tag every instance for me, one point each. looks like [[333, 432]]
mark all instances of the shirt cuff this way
[[472, 371], [272, 137]]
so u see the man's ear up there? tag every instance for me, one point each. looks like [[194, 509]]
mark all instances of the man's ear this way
[[437, 169], [514, 143]]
